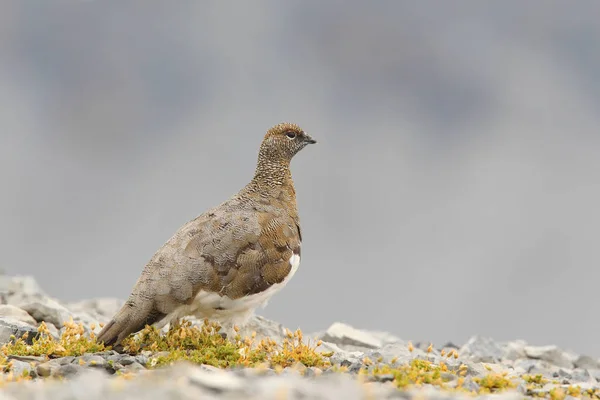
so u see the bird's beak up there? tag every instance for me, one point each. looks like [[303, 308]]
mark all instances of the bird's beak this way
[[308, 139]]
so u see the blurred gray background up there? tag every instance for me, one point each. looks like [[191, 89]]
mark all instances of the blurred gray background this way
[[454, 190]]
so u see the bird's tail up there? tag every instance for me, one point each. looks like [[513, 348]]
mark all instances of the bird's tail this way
[[129, 319]]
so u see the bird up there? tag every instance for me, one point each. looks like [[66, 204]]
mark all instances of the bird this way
[[229, 260]]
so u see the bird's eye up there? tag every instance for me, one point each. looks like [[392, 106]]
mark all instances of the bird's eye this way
[[291, 135]]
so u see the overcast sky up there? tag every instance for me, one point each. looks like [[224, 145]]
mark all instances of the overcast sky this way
[[454, 189]]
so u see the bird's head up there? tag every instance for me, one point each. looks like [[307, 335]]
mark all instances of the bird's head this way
[[283, 141]]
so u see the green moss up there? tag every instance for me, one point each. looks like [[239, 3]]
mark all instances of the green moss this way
[[201, 345], [492, 383], [72, 342], [416, 373], [535, 379], [204, 345]]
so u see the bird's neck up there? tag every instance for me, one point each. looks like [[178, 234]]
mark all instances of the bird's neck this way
[[273, 178], [273, 174]]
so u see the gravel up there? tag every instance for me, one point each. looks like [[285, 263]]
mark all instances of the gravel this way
[[102, 375]]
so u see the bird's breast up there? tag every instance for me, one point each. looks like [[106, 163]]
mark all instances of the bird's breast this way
[[208, 304]]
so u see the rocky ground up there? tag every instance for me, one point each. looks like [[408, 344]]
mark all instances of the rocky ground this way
[[359, 364]]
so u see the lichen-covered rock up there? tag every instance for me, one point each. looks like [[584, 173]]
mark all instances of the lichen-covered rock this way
[[13, 328]]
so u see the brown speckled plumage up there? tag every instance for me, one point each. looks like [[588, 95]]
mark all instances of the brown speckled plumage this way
[[238, 249]]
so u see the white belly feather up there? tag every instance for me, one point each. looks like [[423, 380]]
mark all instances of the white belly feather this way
[[226, 310]]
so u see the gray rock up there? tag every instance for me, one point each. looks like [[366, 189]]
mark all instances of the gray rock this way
[[214, 379], [552, 354], [127, 360], [595, 373], [514, 350], [482, 349], [27, 359], [312, 372], [21, 368], [141, 359], [582, 375], [14, 289], [52, 367], [47, 310], [563, 373], [14, 312], [90, 360], [349, 359], [264, 328], [44, 369], [133, 367], [383, 378], [586, 362], [12, 327], [87, 321], [343, 334], [101, 309], [398, 352], [538, 367], [68, 370], [470, 385]]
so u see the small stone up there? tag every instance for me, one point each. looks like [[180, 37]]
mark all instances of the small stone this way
[[515, 350], [470, 385], [343, 334], [19, 287], [64, 360], [353, 365], [27, 359], [587, 362], [448, 377], [12, 327], [44, 370], [264, 328], [133, 367], [595, 373], [382, 377], [482, 349], [127, 360], [581, 375], [68, 370], [398, 352], [538, 367], [217, 381], [93, 361], [551, 353], [20, 367], [313, 372], [562, 373], [141, 359], [450, 345], [522, 388]]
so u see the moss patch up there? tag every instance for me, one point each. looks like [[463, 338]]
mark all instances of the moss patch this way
[[72, 342], [204, 345]]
